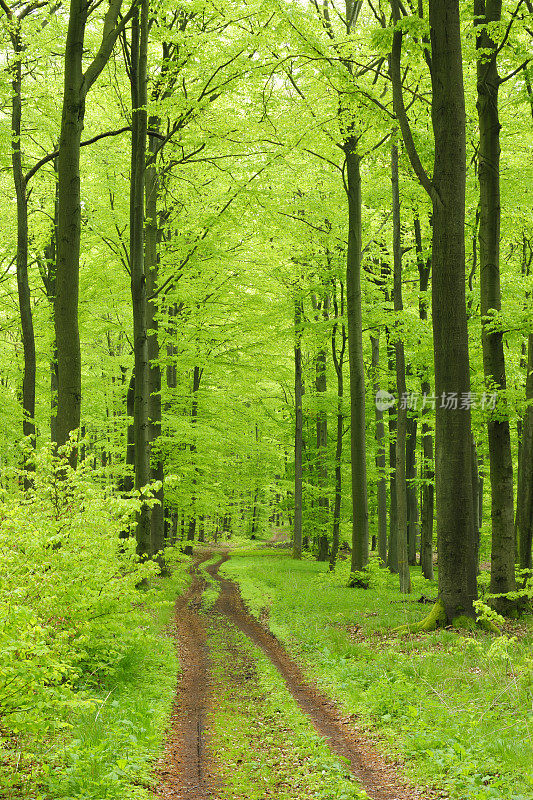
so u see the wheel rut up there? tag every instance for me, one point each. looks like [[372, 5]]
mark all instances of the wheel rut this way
[[186, 772]]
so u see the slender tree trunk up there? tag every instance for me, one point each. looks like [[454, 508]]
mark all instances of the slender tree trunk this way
[[380, 457], [427, 473], [197, 376], [524, 511], [157, 515], [401, 431], [355, 359], [23, 287], [499, 436], [321, 445], [412, 496], [338, 361], [455, 528], [392, 550], [475, 502], [138, 275], [298, 429]]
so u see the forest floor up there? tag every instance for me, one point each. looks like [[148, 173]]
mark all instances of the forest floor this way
[[226, 740]]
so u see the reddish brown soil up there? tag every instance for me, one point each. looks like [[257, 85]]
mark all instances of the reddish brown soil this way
[[184, 771], [378, 777]]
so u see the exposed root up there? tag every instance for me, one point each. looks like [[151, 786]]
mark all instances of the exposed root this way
[[435, 619]]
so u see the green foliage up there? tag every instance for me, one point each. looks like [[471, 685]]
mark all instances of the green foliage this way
[[72, 630]]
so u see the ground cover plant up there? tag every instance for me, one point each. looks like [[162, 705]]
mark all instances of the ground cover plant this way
[[457, 704], [86, 671]]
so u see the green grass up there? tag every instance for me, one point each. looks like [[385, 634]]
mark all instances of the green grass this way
[[458, 705], [264, 746]]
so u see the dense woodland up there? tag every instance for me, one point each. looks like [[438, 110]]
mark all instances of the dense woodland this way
[[263, 265]]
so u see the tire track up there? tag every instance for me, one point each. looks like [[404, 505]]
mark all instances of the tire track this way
[[376, 776], [185, 772]]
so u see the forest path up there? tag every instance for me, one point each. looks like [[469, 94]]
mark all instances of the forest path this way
[[185, 772]]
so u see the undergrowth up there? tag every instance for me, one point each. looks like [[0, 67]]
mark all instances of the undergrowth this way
[[86, 678], [457, 704]]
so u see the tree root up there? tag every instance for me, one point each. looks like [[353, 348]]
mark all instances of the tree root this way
[[437, 618]]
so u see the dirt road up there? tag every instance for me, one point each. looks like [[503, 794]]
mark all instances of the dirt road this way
[[187, 770]]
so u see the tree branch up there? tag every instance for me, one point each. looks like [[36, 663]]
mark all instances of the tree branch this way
[[50, 157]]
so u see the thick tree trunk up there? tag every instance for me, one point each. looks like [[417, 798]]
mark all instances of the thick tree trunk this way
[[355, 359], [401, 430], [157, 516], [380, 457], [499, 436], [298, 430], [138, 276], [69, 230], [455, 528]]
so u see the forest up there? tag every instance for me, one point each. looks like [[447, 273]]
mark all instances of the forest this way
[[266, 464]]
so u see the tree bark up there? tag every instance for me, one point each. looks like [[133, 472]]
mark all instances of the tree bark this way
[[392, 550], [401, 430], [380, 457], [355, 359], [412, 495], [76, 85], [427, 472], [138, 276], [298, 429], [455, 529], [499, 436], [197, 376], [524, 511], [322, 443], [23, 287], [338, 361], [152, 190]]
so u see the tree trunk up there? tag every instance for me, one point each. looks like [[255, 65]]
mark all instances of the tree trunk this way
[[298, 429], [427, 473], [524, 511], [499, 436], [380, 457], [321, 446], [23, 287], [157, 515], [355, 359], [455, 528], [338, 361], [138, 276], [76, 85], [412, 496], [197, 376], [69, 230], [401, 430], [392, 550]]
